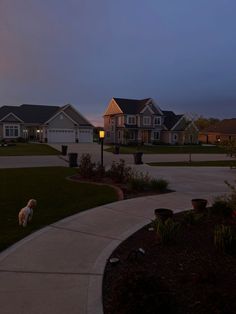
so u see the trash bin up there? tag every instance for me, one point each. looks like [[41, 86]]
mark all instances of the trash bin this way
[[64, 150], [117, 149], [138, 158], [73, 159]]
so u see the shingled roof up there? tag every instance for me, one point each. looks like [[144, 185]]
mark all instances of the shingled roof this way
[[30, 113], [135, 106], [226, 126], [170, 118]]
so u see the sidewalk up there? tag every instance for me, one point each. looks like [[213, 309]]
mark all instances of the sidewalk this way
[[59, 269]]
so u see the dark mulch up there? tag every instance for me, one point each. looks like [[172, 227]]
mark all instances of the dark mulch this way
[[126, 193], [188, 276]]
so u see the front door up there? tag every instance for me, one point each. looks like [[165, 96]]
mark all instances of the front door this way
[[146, 136]]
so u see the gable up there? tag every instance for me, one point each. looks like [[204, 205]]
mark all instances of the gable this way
[[113, 108], [147, 111], [76, 116], [61, 121], [11, 118]]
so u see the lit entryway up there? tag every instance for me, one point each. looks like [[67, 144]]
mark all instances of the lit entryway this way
[[61, 136]]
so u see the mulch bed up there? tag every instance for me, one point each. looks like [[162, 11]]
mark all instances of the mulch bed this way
[[187, 276], [121, 188]]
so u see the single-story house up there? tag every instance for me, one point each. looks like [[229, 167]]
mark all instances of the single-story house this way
[[128, 121], [224, 130], [43, 123]]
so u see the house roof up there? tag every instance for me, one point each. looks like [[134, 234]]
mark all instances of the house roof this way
[[40, 114], [30, 113], [170, 118], [135, 106], [226, 126]]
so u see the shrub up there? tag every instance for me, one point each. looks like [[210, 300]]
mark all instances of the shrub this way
[[158, 185], [191, 217], [221, 207], [119, 172], [86, 166], [224, 238], [139, 181], [166, 230]]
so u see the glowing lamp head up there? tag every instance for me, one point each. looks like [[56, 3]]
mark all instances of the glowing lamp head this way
[[101, 134]]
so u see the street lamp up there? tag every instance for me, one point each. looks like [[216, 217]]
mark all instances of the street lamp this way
[[101, 137]]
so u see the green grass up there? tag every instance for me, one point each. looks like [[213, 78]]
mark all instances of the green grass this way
[[166, 149], [28, 149], [57, 198], [211, 163]]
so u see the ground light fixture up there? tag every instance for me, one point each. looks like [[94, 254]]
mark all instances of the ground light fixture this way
[[101, 137]]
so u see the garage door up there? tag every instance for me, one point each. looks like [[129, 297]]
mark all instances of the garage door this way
[[85, 136], [61, 136]]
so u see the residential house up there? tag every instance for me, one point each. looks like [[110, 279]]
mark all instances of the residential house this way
[[129, 121], [42, 123], [221, 131]]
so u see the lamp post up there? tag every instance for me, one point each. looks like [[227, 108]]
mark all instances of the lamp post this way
[[101, 137]]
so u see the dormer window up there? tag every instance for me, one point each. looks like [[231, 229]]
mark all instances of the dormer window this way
[[146, 120], [131, 120], [157, 120]]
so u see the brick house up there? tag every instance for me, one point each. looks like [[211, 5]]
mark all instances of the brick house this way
[[128, 121], [224, 130]]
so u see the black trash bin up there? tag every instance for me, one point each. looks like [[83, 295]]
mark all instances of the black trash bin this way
[[117, 149], [138, 158], [64, 150], [73, 159]]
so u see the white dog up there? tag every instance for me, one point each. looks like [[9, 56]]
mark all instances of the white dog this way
[[26, 213]]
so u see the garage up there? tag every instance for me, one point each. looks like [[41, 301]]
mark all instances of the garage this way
[[61, 136], [85, 136]]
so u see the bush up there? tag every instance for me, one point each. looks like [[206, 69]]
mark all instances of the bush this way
[[166, 230], [139, 181], [119, 172], [221, 207], [192, 218], [224, 239], [86, 166], [159, 185]]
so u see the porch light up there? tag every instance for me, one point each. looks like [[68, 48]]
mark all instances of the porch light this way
[[38, 131]]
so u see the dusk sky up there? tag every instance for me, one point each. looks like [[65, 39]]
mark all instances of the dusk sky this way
[[181, 53]]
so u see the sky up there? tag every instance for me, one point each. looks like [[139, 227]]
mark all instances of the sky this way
[[84, 52]]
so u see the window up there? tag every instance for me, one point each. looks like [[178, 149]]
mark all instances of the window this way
[[12, 130], [146, 120], [119, 120], [156, 135], [131, 120], [157, 120]]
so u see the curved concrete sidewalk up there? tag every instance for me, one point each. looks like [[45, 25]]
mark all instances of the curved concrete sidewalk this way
[[59, 269]]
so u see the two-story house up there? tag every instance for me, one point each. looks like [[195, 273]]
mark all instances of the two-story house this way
[[129, 121]]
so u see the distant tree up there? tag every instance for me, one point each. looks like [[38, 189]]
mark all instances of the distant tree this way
[[202, 122]]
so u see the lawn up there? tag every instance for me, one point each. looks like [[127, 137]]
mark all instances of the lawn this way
[[57, 198], [210, 163], [167, 149], [28, 149]]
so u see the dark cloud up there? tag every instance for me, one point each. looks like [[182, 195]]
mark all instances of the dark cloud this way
[[181, 53]]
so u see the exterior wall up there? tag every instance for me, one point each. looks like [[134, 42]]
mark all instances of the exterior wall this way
[[64, 123], [213, 138], [109, 127], [165, 137]]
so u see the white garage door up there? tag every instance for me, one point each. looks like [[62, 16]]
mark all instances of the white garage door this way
[[61, 136], [85, 136]]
